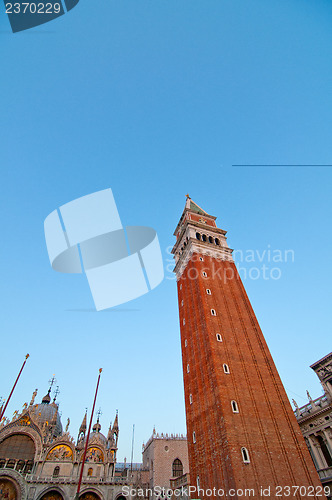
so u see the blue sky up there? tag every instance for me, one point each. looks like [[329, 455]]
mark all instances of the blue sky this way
[[157, 98]]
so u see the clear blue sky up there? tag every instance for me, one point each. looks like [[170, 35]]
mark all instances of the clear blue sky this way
[[157, 98]]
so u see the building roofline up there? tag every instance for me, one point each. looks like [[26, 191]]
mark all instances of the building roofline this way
[[325, 358]]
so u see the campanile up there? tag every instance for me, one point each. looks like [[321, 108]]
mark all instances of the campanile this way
[[242, 432]]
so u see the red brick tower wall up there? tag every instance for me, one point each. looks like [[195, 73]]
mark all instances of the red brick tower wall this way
[[263, 421]]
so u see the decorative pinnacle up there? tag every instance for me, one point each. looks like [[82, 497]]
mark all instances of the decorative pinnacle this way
[[187, 196], [27, 356], [100, 370]]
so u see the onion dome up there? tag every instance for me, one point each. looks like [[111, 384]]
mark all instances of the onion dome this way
[[47, 399], [96, 427], [96, 437]]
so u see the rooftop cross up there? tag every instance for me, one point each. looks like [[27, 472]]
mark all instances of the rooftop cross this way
[[99, 413], [52, 381], [56, 393]]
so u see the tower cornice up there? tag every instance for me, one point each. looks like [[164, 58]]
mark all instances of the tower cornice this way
[[188, 245], [200, 226]]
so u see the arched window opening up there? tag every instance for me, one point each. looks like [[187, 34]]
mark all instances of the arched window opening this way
[[191, 399], [188, 368], [201, 259], [208, 291], [204, 238], [213, 312], [245, 455], [185, 343], [198, 236], [219, 338], [20, 465], [210, 239], [28, 466], [204, 274], [197, 482], [226, 368], [235, 407], [177, 468], [56, 471], [90, 471], [194, 437], [217, 242]]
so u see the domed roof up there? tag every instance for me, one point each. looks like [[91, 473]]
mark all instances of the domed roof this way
[[47, 412], [96, 427], [96, 437]]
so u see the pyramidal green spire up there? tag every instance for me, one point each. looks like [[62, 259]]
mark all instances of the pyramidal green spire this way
[[191, 205]]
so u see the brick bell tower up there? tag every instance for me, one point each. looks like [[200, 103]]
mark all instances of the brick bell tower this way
[[242, 432]]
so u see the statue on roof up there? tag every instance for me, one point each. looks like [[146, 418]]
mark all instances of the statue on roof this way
[[33, 397]]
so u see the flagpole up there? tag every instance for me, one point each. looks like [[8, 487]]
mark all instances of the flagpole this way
[[10, 395], [87, 437]]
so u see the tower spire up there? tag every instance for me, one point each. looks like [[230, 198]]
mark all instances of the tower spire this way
[[115, 429], [116, 421]]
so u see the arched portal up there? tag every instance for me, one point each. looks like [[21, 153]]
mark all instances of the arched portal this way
[[52, 495], [8, 489], [89, 495]]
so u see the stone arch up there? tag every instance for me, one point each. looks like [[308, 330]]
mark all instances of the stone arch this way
[[91, 494], [177, 468], [18, 448], [27, 431], [15, 479], [60, 451], [120, 497], [94, 454], [52, 493]]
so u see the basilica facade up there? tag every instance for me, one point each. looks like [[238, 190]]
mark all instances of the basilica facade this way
[[39, 460]]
